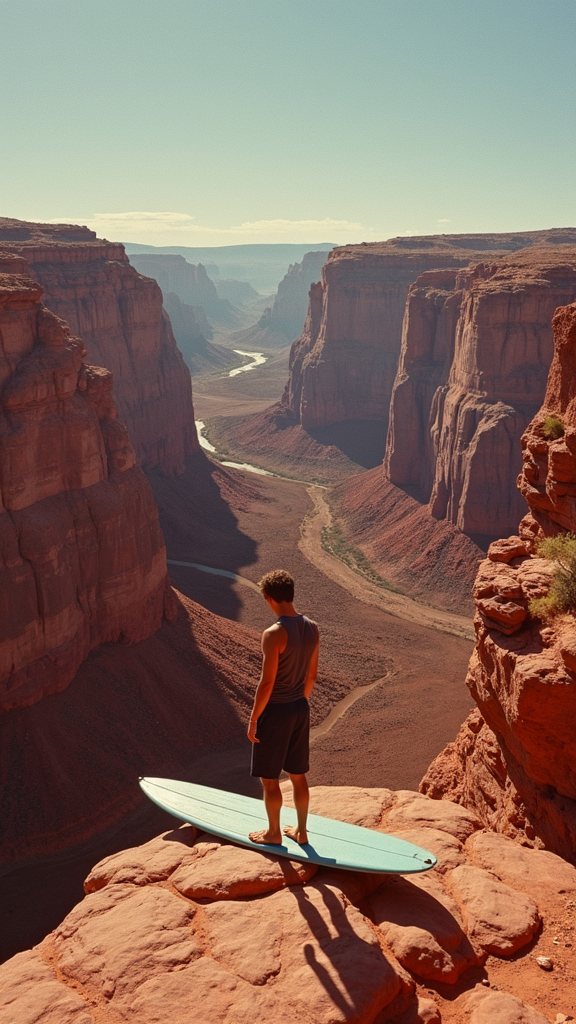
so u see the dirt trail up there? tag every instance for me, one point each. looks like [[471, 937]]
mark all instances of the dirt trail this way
[[361, 588]]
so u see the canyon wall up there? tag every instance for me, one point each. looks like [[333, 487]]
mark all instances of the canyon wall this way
[[190, 283], [288, 312], [476, 348], [513, 760], [82, 558], [90, 284], [346, 368]]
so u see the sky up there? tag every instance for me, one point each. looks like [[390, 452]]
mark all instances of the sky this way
[[185, 122]]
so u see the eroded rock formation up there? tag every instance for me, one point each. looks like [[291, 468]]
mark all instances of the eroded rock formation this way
[[288, 312], [348, 356], [476, 348], [189, 282], [513, 760], [82, 558], [188, 920], [90, 284]]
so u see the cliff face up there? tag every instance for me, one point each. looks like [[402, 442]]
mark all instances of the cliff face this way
[[190, 283], [346, 370], [82, 555], [476, 347], [513, 761], [288, 312], [90, 284]]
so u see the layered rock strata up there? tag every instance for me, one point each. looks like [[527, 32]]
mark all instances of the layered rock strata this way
[[90, 284], [190, 920], [513, 760], [476, 348], [82, 559], [348, 357], [288, 312], [189, 282]]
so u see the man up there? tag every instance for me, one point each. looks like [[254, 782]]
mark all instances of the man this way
[[279, 726]]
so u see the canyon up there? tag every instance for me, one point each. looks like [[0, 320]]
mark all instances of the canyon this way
[[427, 357], [166, 688]]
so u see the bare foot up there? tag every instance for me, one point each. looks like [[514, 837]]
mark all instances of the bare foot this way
[[294, 833], [266, 837]]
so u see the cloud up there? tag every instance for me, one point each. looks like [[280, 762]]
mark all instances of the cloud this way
[[444, 220], [169, 228]]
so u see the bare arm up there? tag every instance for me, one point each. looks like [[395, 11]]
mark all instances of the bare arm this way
[[312, 673], [273, 643]]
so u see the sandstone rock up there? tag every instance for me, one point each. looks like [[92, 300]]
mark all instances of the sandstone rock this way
[[302, 952], [474, 390], [354, 804], [118, 314], [82, 558], [485, 1007], [346, 367], [152, 862], [538, 873], [221, 871], [140, 942], [422, 926], [504, 550], [119, 937], [411, 810], [31, 992], [425, 1012], [448, 850], [498, 919]]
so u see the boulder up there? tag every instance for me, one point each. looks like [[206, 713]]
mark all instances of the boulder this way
[[484, 1007], [498, 919]]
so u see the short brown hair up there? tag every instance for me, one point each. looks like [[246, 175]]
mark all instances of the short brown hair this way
[[278, 584]]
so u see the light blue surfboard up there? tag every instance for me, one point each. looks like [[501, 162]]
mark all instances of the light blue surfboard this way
[[332, 843]]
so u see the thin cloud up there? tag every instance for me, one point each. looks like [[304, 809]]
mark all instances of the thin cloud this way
[[444, 220], [171, 228]]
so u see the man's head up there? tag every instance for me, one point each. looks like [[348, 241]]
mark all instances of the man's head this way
[[278, 586]]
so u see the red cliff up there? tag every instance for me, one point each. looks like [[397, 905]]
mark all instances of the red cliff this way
[[513, 760], [90, 284], [346, 369], [476, 348], [82, 559]]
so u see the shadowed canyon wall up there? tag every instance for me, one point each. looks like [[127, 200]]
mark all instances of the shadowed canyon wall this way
[[513, 760], [90, 284], [82, 554]]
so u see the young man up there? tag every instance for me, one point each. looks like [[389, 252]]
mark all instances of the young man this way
[[279, 726]]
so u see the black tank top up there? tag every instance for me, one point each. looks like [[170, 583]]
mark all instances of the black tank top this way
[[294, 660]]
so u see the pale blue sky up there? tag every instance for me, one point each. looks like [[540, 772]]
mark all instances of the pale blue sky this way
[[222, 121]]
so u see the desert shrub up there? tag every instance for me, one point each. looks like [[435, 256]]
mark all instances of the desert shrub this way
[[553, 428], [562, 594]]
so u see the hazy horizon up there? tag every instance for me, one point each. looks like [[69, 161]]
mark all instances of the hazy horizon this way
[[212, 123]]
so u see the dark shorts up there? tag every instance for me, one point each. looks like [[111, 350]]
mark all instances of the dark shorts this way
[[284, 734]]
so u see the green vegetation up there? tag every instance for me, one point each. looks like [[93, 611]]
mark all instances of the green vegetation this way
[[553, 428], [562, 594], [334, 542]]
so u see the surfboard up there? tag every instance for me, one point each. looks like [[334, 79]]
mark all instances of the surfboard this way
[[331, 843]]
